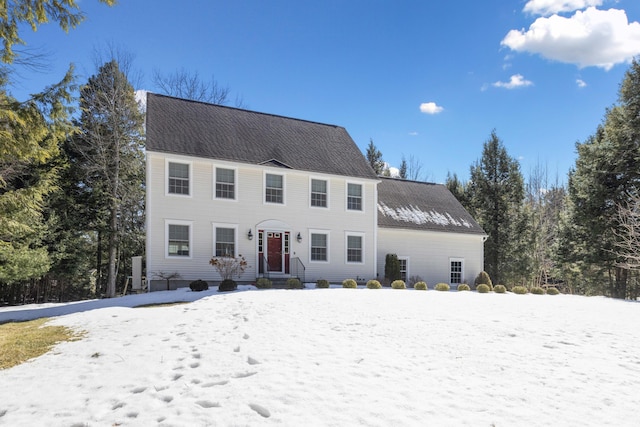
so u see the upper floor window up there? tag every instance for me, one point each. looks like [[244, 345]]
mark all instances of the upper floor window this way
[[225, 242], [178, 239], [225, 183], [178, 178], [456, 270], [354, 248], [354, 197], [319, 193], [274, 188]]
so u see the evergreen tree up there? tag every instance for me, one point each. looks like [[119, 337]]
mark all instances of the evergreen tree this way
[[403, 169], [458, 189], [495, 195], [110, 143], [374, 157]]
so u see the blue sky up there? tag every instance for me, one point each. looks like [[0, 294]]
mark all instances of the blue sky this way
[[428, 79]]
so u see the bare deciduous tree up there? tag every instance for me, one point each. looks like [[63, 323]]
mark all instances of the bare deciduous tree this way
[[628, 243], [189, 85]]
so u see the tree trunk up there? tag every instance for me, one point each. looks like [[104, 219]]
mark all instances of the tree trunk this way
[[113, 246]]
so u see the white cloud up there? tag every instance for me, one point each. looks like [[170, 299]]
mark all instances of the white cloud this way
[[600, 38], [550, 7], [581, 83], [413, 133], [430, 108], [516, 81]]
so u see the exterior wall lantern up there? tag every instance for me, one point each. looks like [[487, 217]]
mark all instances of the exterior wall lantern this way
[[250, 235], [299, 237]]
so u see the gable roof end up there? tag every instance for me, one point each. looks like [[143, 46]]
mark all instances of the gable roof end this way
[[193, 128]]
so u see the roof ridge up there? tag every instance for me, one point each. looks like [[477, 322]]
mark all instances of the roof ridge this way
[[244, 110], [408, 180]]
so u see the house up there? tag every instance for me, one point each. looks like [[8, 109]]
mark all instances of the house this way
[[296, 198]]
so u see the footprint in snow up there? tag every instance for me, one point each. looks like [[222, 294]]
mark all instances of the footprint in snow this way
[[138, 390], [212, 384], [208, 404], [252, 361], [260, 410], [245, 336], [244, 374]]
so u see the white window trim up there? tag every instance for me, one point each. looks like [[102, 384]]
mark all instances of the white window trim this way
[[346, 197], [346, 247], [235, 183], [408, 272], [264, 188], [168, 222], [328, 234], [166, 177], [317, 178], [235, 236], [461, 260]]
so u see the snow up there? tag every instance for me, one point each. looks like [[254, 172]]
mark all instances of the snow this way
[[333, 357], [415, 215]]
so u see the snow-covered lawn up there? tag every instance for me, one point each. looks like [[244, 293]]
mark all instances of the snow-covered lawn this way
[[335, 357]]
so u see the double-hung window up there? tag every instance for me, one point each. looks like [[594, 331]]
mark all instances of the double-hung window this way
[[354, 197], [178, 174], [225, 242], [319, 193], [225, 183], [354, 249], [274, 188], [404, 268], [319, 247], [456, 270], [178, 239]]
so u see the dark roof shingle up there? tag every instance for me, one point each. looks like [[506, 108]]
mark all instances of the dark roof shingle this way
[[422, 206], [198, 129]]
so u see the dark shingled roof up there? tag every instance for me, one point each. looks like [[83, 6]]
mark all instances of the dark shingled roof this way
[[213, 131], [422, 206]]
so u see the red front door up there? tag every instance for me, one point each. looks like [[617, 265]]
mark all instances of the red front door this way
[[274, 251]]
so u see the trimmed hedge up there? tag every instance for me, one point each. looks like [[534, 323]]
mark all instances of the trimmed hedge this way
[[520, 290], [420, 286], [444, 287], [483, 288], [321, 283], [499, 289], [198, 285], [537, 290], [398, 284], [552, 291], [263, 283], [463, 287], [373, 284], [227, 285], [294, 283], [483, 278], [349, 283]]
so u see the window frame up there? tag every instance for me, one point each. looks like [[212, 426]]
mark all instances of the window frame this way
[[215, 182], [311, 193], [451, 272], [327, 247], [362, 247], [406, 268], [215, 226], [168, 178], [348, 183], [169, 222], [264, 189]]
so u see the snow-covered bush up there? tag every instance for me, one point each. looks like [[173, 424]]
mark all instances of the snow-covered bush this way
[[537, 290], [349, 283], [373, 284], [552, 291], [520, 290], [294, 283], [398, 284], [420, 286], [321, 283], [198, 285], [263, 283], [444, 287], [499, 289], [463, 287]]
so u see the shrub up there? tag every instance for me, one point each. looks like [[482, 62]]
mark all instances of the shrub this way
[[199, 285], [414, 279], [392, 267], [444, 287], [520, 290], [483, 278], [398, 284], [483, 288], [227, 285], [421, 286], [552, 291], [537, 290], [463, 287], [321, 283], [349, 283], [373, 284], [294, 283], [499, 289], [263, 283]]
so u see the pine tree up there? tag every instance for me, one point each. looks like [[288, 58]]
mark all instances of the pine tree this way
[[110, 143], [374, 157], [403, 169]]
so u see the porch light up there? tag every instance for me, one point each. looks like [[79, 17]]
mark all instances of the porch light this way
[[299, 237], [250, 235]]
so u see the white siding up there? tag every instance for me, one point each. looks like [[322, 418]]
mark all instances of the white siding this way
[[429, 253], [246, 212]]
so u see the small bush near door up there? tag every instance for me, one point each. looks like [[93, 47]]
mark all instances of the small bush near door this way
[[227, 285], [552, 291], [294, 283], [520, 290], [263, 283], [198, 285], [349, 283], [322, 283]]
